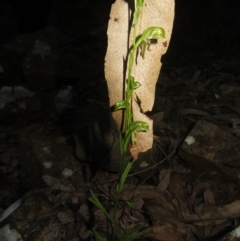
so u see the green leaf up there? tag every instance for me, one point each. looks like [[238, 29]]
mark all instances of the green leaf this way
[[96, 201], [133, 85], [153, 33], [124, 176], [139, 3], [97, 236], [135, 126], [136, 85], [133, 137], [138, 126], [120, 105], [130, 82], [134, 234], [149, 33], [131, 202], [121, 144]]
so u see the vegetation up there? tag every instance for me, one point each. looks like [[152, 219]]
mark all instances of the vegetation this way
[[128, 135]]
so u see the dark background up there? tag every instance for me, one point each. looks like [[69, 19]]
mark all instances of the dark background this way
[[200, 27]]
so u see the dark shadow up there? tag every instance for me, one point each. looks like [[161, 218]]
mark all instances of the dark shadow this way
[[96, 137]]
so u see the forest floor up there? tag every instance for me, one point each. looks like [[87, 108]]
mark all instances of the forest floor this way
[[186, 188]]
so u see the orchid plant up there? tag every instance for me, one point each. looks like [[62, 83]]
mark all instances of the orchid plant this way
[[128, 135]]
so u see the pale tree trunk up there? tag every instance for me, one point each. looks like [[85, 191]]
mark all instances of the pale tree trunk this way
[[159, 13]]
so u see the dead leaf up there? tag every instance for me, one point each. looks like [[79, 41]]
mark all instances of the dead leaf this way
[[163, 213], [196, 189], [79, 196], [61, 140], [100, 221], [213, 215], [143, 191], [55, 230], [66, 216], [84, 211], [179, 168], [164, 177], [84, 232], [64, 187], [178, 190], [72, 232], [209, 197], [136, 208], [165, 233]]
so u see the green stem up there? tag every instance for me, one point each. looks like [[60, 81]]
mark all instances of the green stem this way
[[128, 117]]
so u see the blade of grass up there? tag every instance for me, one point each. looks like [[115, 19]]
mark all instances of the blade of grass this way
[[96, 201]]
